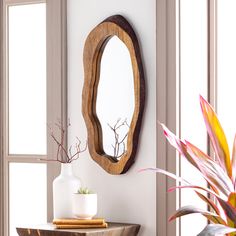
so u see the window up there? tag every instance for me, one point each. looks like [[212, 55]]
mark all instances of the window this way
[[216, 43], [193, 81], [199, 59], [226, 73], [33, 92], [26, 78]]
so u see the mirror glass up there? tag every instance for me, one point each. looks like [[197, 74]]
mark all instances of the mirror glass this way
[[115, 97]]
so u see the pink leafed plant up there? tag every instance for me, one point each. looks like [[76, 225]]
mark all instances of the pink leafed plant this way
[[64, 154], [219, 172]]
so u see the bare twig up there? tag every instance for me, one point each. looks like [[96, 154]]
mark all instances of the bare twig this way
[[118, 142], [63, 155], [123, 150], [73, 158]]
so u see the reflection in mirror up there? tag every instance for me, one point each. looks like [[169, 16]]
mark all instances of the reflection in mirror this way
[[115, 97]]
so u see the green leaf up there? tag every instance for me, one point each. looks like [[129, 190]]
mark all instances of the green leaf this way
[[84, 191]]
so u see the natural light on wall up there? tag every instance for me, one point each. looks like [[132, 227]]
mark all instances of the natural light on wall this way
[[26, 116], [193, 82]]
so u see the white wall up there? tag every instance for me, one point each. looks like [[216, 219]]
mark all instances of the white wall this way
[[130, 197]]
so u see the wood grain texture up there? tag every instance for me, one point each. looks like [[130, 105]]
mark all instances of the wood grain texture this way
[[94, 46], [114, 229]]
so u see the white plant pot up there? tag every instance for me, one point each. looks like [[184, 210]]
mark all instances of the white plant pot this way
[[84, 205], [63, 188]]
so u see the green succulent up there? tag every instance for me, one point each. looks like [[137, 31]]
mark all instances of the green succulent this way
[[84, 191]]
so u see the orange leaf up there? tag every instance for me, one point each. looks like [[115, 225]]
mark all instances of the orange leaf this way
[[217, 136], [233, 161], [232, 202]]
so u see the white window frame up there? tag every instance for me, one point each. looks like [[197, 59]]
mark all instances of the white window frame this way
[[167, 109], [56, 14], [168, 100]]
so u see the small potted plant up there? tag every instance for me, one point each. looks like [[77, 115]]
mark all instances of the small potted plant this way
[[84, 204]]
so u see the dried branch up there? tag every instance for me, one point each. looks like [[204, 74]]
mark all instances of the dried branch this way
[[63, 155], [76, 155], [123, 150], [118, 142]]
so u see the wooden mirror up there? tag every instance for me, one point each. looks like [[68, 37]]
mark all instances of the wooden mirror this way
[[113, 94]]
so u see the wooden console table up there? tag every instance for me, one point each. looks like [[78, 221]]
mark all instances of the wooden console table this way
[[114, 229]]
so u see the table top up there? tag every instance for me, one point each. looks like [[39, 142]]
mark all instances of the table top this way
[[113, 229]]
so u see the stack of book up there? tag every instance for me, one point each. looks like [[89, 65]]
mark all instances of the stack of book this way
[[79, 224]]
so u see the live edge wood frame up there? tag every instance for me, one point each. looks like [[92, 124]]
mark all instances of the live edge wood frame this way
[[95, 43]]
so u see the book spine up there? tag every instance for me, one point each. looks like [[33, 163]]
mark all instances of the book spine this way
[[79, 222], [105, 225]]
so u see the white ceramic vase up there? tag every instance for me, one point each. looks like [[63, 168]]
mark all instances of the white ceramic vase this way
[[84, 205], [64, 186]]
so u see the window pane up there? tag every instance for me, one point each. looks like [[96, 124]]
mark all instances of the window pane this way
[[28, 196], [193, 81], [27, 79], [226, 81]]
